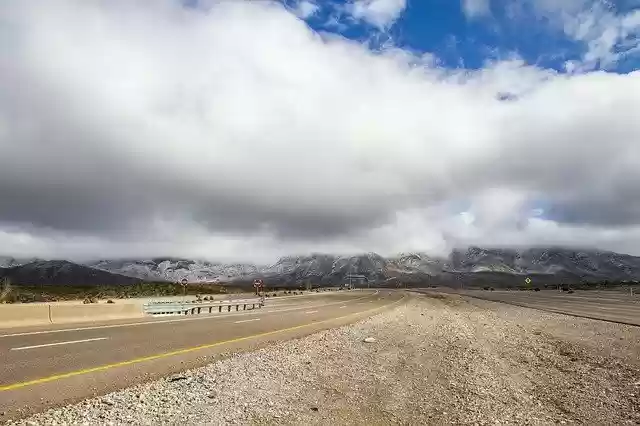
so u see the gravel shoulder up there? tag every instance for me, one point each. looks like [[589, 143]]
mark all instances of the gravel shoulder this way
[[437, 359]]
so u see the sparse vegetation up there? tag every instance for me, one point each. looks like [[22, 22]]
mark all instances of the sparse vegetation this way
[[6, 293], [12, 293]]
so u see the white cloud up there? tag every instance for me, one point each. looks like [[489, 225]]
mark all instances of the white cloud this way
[[240, 133], [473, 9], [379, 13], [306, 9], [607, 35]]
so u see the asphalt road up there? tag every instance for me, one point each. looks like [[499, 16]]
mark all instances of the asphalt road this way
[[51, 366], [611, 306]]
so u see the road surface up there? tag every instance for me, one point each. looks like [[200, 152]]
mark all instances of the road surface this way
[[51, 366], [611, 306]]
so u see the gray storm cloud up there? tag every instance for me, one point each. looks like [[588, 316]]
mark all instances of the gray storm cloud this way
[[148, 128]]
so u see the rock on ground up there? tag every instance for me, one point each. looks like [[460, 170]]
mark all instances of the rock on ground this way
[[435, 361]]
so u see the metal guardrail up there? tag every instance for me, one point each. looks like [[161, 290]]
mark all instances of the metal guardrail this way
[[199, 307]]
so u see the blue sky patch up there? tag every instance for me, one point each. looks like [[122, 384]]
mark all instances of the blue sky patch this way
[[441, 27]]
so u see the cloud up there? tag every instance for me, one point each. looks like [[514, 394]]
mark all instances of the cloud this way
[[607, 31], [473, 9], [609, 37], [231, 130], [306, 9], [379, 13]]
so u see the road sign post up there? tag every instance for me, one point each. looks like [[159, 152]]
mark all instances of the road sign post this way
[[258, 285], [184, 283], [527, 282]]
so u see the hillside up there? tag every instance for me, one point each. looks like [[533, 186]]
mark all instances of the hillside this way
[[472, 265], [173, 269], [476, 266], [62, 272]]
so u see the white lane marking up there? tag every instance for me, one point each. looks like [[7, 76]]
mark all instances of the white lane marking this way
[[311, 312], [249, 320], [69, 342], [342, 307], [150, 322]]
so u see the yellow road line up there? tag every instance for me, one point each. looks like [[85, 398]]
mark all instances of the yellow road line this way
[[179, 352]]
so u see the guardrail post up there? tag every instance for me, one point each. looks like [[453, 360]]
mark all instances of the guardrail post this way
[[187, 308]]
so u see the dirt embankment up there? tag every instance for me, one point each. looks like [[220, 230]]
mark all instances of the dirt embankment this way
[[434, 361]]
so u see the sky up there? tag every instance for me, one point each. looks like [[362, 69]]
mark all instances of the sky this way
[[248, 130]]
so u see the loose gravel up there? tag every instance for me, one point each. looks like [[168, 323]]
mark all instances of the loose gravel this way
[[435, 360]]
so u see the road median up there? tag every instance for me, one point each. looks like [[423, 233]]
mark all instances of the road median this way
[[61, 314], [22, 315]]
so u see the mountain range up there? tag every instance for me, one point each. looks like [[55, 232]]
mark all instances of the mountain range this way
[[473, 265]]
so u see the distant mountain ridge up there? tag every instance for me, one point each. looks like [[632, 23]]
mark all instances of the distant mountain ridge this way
[[573, 264], [9, 261], [474, 265], [62, 272], [174, 269]]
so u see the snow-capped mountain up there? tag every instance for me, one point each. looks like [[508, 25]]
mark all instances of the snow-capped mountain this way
[[324, 268], [579, 263], [408, 263], [10, 262], [329, 269], [171, 269]]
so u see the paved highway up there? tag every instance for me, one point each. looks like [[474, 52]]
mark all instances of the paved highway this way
[[602, 305], [49, 366]]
